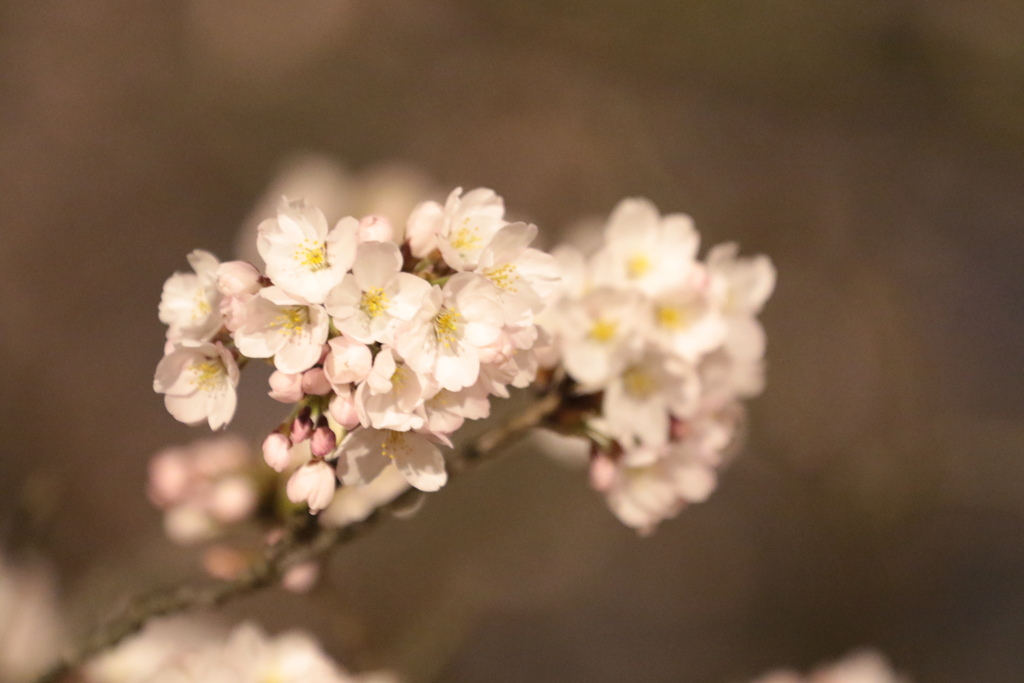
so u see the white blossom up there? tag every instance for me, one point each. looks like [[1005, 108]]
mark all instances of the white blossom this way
[[460, 229], [190, 302], [198, 380], [302, 256], [377, 296], [290, 330], [644, 250], [366, 452], [443, 339], [390, 394]]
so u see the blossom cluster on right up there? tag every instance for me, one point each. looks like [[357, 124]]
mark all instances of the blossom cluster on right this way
[[659, 349]]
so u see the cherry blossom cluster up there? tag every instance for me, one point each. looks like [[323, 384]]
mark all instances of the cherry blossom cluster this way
[[383, 347], [190, 651], [659, 348]]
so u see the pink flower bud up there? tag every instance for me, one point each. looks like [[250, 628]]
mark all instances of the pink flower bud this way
[[237, 278], [602, 472], [276, 451], [302, 427], [286, 388], [323, 441], [343, 409], [313, 484], [301, 578], [314, 381], [169, 476], [233, 500], [375, 229]]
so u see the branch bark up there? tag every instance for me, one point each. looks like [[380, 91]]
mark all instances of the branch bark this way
[[301, 543]]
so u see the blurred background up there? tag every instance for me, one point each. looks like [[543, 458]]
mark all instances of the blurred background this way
[[873, 148]]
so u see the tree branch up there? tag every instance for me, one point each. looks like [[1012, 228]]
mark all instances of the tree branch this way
[[300, 543]]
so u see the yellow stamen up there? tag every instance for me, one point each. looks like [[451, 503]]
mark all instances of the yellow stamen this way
[[374, 302], [638, 383], [292, 319], [313, 255], [603, 330], [503, 276], [393, 443], [638, 265], [200, 306], [207, 374], [465, 238], [674, 318], [446, 325]]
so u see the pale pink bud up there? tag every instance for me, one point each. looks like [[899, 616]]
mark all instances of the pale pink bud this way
[[343, 408], [237, 278], [286, 388], [323, 441], [301, 578], [232, 309], [348, 361], [602, 472], [187, 524], [169, 476], [421, 228], [375, 229], [314, 381], [233, 500], [313, 484], [276, 451], [302, 427]]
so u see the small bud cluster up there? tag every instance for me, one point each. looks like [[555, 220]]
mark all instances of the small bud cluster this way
[[659, 349], [383, 349]]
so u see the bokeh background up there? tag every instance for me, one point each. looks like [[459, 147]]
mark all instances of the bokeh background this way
[[873, 148]]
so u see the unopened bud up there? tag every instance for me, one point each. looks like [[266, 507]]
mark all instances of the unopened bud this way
[[302, 427], [602, 472], [323, 441], [375, 229], [237, 278], [301, 578], [313, 484], [314, 381], [343, 409], [286, 388], [276, 451]]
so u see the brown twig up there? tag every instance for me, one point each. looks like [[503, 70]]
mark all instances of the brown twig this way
[[301, 543]]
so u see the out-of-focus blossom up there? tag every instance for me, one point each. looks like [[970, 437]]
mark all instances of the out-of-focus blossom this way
[[659, 349], [30, 626], [860, 667]]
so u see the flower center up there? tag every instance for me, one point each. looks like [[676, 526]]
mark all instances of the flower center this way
[[292, 319], [200, 306], [313, 255], [465, 238], [674, 318], [446, 325], [638, 265], [398, 377], [638, 383], [374, 302], [603, 330], [393, 444], [503, 276], [207, 375]]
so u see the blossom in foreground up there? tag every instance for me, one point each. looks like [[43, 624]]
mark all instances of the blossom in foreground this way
[[185, 650], [659, 349], [30, 628], [860, 667], [379, 355]]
